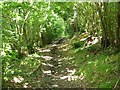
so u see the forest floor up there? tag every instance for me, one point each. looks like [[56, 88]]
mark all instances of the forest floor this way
[[57, 68], [62, 66]]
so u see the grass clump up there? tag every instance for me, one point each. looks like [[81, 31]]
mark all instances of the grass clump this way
[[100, 69]]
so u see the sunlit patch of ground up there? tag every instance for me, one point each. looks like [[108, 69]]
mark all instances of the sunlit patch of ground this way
[[47, 57], [46, 50], [18, 79]]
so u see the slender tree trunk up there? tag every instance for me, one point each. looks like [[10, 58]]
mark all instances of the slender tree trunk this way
[[118, 29], [105, 35]]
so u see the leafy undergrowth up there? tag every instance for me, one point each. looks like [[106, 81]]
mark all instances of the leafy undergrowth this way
[[99, 69], [17, 71], [95, 67]]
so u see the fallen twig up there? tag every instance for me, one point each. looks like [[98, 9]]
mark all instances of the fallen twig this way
[[116, 83]]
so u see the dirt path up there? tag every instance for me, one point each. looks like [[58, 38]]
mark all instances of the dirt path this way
[[57, 69]]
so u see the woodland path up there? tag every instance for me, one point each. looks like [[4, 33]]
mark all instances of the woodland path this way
[[57, 69]]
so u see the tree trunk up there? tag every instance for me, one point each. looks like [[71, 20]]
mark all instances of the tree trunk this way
[[105, 42], [118, 29]]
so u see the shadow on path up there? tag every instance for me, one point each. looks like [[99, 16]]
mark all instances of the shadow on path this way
[[58, 70]]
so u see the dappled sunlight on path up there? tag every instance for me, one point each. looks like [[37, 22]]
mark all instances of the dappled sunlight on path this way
[[47, 57], [57, 68], [54, 67]]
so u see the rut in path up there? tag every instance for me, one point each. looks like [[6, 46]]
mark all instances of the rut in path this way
[[58, 70]]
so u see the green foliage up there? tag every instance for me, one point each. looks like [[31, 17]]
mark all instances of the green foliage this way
[[54, 28], [13, 67], [78, 44], [26, 27], [95, 67]]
